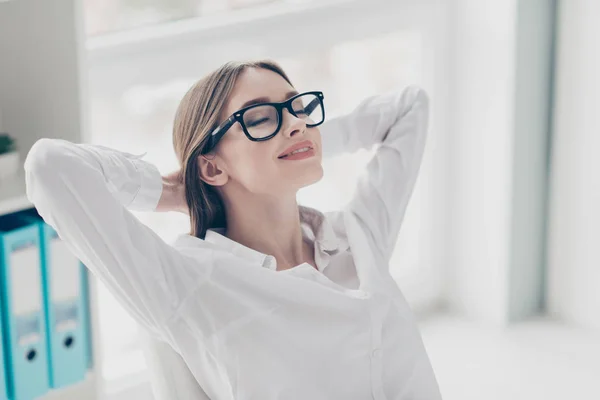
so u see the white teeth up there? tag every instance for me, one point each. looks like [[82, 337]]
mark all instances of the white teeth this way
[[302, 150]]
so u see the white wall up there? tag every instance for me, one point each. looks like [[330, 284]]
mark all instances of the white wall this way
[[500, 107], [484, 75], [41, 79], [574, 248]]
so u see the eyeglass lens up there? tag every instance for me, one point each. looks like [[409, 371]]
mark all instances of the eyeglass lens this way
[[262, 121]]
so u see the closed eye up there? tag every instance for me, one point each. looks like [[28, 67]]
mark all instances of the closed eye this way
[[258, 122]]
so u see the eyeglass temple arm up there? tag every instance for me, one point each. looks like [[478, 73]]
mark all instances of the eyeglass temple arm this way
[[224, 126], [312, 105]]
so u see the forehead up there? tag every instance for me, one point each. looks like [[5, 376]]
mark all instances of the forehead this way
[[257, 82]]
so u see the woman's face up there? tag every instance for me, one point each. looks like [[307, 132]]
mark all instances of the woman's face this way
[[255, 165]]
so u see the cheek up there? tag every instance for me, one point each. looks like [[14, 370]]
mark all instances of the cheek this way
[[254, 166], [316, 136]]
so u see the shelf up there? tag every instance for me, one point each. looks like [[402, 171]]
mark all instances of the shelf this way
[[13, 198], [82, 390], [43, 95], [12, 195]]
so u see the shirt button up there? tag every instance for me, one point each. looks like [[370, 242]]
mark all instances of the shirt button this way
[[363, 295], [376, 353]]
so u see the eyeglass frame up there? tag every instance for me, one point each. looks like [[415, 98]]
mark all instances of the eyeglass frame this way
[[238, 116]]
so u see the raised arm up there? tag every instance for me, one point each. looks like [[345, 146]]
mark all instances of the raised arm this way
[[83, 191], [397, 122]]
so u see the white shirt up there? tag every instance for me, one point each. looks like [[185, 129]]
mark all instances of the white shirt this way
[[245, 330]]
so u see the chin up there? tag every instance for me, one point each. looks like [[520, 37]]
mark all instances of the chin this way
[[311, 176]]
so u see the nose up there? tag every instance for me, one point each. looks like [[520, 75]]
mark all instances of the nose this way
[[292, 125]]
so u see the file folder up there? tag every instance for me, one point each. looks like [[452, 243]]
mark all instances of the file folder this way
[[3, 393], [23, 308], [87, 320], [64, 306], [65, 310]]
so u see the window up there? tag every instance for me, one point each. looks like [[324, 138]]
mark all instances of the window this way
[[137, 80], [103, 16]]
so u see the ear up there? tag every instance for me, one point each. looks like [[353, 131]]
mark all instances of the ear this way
[[212, 169]]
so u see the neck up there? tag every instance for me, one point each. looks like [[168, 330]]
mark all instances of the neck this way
[[269, 225]]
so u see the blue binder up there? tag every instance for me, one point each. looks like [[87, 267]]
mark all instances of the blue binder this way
[[23, 308], [86, 320], [3, 393], [65, 307]]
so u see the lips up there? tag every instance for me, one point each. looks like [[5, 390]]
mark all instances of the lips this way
[[297, 146]]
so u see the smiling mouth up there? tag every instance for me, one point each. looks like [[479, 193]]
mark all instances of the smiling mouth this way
[[299, 151]]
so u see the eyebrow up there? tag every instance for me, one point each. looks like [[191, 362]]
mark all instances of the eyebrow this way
[[266, 99]]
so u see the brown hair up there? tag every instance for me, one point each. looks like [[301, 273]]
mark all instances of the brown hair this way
[[196, 116]]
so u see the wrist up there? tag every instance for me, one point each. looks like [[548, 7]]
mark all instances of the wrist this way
[[165, 203], [172, 198]]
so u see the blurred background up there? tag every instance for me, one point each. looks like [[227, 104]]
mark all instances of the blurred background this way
[[498, 254]]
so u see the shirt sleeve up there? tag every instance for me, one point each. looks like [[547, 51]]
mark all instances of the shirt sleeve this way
[[85, 193], [397, 122], [170, 376]]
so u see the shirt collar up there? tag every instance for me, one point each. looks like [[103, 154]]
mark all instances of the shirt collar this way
[[216, 236], [318, 228], [315, 226]]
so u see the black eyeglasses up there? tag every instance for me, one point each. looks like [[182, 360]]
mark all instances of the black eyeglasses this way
[[262, 121]]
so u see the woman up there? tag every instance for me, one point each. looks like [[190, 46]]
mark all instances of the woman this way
[[264, 298]]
